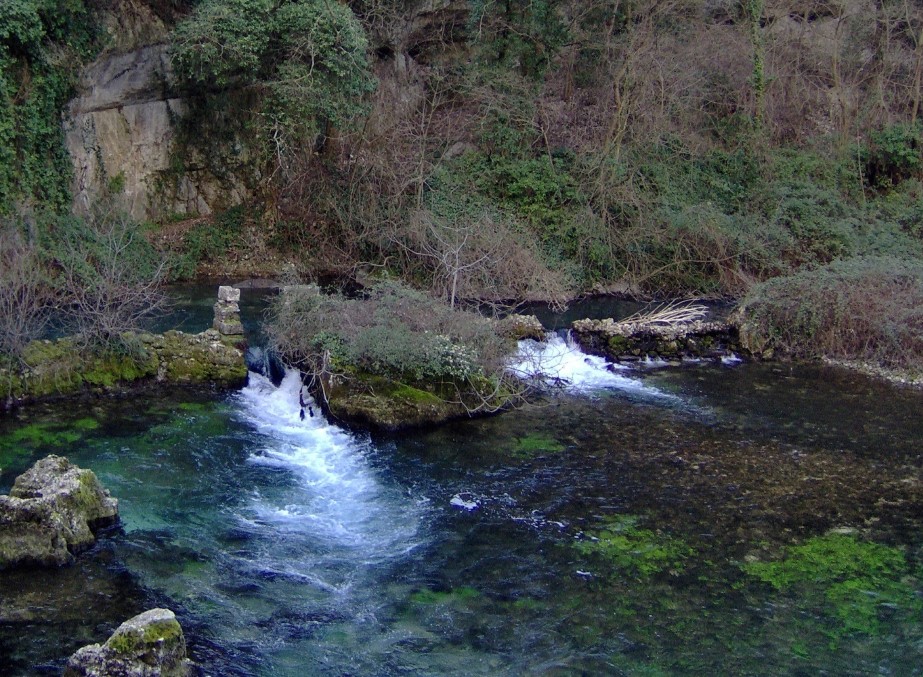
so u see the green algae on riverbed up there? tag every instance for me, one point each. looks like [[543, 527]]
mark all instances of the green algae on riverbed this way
[[858, 581], [632, 551], [533, 445]]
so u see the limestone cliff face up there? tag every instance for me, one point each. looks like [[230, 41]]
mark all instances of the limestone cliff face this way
[[122, 128]]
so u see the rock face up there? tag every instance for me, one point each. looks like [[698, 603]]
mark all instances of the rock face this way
[[149, 645], [627, 341], [51, 514], [121, 129]]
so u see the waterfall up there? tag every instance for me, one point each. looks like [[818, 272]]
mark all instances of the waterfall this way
[[559, 363], [333, 500]]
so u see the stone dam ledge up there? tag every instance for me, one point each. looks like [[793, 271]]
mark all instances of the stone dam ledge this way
[[61, 367], [633, 341]]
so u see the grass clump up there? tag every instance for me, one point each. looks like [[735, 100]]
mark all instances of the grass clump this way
[[632, 551], [856, 580], [868, 309]]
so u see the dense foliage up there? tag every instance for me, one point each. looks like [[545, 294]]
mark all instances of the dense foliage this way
[[516, 150], [306, 58], [40, 41], [861, 308]]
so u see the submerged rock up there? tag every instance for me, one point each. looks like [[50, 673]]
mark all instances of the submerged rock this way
[[149, 645], [51, 513]]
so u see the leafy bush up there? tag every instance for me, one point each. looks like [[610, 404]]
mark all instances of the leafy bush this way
[[307, 58], [209, 241], [392, 331], [895, 154], [864, 308], [818, 222]]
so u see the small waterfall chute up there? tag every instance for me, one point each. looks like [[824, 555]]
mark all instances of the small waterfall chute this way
[[265, 362], [558, 363], [337, 500]]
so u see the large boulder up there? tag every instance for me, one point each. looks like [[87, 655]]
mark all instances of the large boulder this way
[[149, 645], [52, 513]]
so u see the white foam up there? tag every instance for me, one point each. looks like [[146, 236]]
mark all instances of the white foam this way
[[561, 363], [337, 500]]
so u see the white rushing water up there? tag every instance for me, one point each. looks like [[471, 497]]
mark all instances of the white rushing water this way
[[560, 363], [336, 504]]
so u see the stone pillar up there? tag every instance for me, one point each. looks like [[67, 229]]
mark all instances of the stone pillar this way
[[227, 312]]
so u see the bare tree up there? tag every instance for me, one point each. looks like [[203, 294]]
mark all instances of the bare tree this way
[[25, 296], [112, 282]]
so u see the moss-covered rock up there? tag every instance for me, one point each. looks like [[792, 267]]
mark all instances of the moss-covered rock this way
[[151, 643], [62, 367], [630, 340], [51, 513], [380, 403]]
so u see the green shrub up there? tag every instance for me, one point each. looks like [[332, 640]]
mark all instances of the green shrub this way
[[210, 241], [40, 45], [818, 222], [864, 308], [895, 153], [306, 59]]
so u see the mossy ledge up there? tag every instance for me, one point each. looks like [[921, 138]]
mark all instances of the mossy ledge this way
[[630, 341], [60, 367], [379, 403]]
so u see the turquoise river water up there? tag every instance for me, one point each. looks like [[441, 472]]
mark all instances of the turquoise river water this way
[[745, 519]]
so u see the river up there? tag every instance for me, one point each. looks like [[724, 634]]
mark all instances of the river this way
[[706, 519]]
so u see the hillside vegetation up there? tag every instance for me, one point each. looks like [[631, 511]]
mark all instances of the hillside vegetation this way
[[515, 149], [510, 150]]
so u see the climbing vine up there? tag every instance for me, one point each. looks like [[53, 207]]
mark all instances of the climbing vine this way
[[40, 40]]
